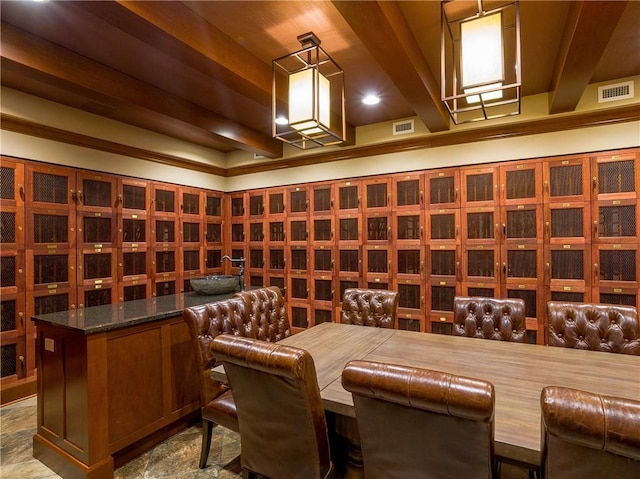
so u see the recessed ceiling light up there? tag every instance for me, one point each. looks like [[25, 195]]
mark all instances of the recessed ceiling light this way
[[371, 100]]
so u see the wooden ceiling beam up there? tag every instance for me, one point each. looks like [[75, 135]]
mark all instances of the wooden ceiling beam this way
[[384, 31], [122, 91], [588, 29], [204, 48]]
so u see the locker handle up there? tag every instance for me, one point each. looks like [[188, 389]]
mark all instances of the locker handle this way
[[388, 199], [455, 196], [332, 262], [306, 205], [504, 269], [21, 190], [504, 229], [595, 183], [457, 270], [421, 232], [389, 233], [307, 293], [81, 196], [74, 196], [422, 197], [332, 292], [595, 269], [547, 226], [306, 235], [595, 227], [120, 198]]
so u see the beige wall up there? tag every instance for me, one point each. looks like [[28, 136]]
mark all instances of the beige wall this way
[[15, 103]]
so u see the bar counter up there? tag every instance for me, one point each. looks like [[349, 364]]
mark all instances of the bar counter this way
[[112, 382]]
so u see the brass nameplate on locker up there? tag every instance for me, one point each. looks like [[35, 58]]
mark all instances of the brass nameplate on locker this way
[[617, 246], [566, 246], [520, 207], [443, 283], [52, 246], [377, 280], [567, 288], [134, 217], [98, 281], [521, 286], [566, 205], [165, 275], [97, 214], [97, 246], [521, 246], [617, 290], [52, 286], [616, 202], [565, 162], [135, 281], [98, 286], [134, 278], [53, 291], [480, 247]]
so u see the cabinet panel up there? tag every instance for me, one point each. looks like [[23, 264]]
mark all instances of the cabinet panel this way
[[298, 201], [521, 183], [443, 189], [323, 291], [165, 200], [213, 260], [165, 231], [616, 176], [192, 261], [522, 223], [97, 229], [299, 287], [408, 191], [322, 198], [377, 194], [568, 269], [377, 228], [443, 226], [615, 266], [411, 299], [323, 229], [276, 199], [408, 227], [479, 186], [567, 223], [97, 265], [616, 221], [349, 228], [409, 262], [134, 231], [12, 183], [50, 268], [297, 260], [299, 315], [134, 196], [96, 192], [322, 259], [349, 195], [236, 206], [256, 201], [377, 263], [214, 204], [49, 186], [191, 201], [566, 179], [297, 232]]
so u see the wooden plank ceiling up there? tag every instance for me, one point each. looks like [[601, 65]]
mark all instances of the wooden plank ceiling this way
[[201, 71]]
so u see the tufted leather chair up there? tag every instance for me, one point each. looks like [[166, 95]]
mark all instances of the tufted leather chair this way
[[370, 307], [283, 430], [490, 318], [268, 313], [599, 327], [258, 314], [414, 420], [588, 435]]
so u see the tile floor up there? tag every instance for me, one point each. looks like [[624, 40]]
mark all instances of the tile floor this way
[[176, 458]]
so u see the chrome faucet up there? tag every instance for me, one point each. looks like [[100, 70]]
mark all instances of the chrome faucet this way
[[240, 262]]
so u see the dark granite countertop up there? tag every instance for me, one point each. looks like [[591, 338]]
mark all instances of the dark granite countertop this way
[[99, 319]]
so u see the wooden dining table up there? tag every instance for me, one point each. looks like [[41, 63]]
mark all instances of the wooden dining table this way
[[518, 372]]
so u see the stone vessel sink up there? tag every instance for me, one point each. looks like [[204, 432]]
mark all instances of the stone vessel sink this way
[[211, 285]]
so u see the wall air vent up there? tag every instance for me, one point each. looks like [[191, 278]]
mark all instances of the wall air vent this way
[[403, 127], [618, 91], [258, 156]]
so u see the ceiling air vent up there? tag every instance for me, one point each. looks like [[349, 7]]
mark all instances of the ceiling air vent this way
[[618, 91], [403, 127], [258, 156]]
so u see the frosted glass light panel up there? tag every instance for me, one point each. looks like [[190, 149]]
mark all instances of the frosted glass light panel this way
[[309, 90], [482, 57]]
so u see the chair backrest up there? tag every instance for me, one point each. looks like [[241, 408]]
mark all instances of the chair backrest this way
[[283, 431], [414, 420], [205, 322], [268, 312], [599, 327], [369, 307], [490, 318], [588, 435]]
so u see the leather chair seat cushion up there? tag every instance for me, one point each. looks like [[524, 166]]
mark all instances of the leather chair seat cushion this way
[[598, 327], [222, 410]]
